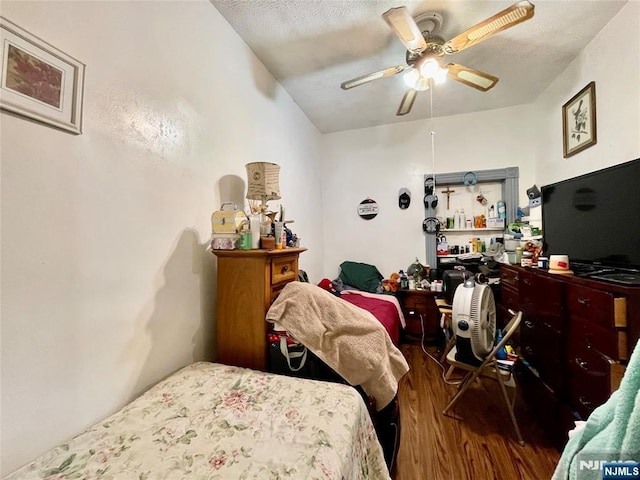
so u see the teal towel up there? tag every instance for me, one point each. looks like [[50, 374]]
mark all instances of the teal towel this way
[[611, 433]]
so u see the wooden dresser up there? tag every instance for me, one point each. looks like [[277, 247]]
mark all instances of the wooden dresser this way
[[247, 282], [576, 336]]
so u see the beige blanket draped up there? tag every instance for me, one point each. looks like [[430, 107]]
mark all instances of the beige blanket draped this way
[[347, 338]]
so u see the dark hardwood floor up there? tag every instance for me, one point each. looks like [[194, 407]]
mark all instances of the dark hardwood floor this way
[[479, 446]]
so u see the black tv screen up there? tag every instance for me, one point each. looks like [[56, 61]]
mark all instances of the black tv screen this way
[[595, 218]]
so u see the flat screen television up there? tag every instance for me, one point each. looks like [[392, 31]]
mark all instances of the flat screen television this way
[[595, 220]]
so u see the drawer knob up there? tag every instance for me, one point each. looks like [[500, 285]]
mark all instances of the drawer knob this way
[[584, 402], [583, 301], [582, 363], [528, 324], [285, 269]]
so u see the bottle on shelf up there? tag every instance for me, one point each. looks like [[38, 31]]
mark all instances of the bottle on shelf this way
[[404, 280], [502, 211]]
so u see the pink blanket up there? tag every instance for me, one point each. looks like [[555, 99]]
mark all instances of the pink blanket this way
[[384, 307]]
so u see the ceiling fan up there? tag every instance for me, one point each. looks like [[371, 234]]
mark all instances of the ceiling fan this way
[[424, 50]]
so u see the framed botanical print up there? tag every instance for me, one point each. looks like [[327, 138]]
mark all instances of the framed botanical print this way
[[38, 81], [579, 121]]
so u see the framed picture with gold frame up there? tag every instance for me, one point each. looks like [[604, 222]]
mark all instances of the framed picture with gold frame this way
[[579, 121], [38, 81]]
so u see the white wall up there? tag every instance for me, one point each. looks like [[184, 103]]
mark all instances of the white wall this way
[[106, 282], [612, 60], [376, 162]]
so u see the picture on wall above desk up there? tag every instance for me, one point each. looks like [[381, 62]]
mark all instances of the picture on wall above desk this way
[[368, 209]]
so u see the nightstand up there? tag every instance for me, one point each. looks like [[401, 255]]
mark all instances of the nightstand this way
[[248, 282], [416, 304]]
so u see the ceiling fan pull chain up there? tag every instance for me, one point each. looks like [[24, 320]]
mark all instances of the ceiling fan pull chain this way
[[433, 157]]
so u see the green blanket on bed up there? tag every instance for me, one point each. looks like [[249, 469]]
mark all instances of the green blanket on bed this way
[[612, 432]]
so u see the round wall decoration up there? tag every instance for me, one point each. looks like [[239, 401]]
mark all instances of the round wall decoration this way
[[368, 209]]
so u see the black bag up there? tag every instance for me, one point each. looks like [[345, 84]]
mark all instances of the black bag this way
[[287, 356]]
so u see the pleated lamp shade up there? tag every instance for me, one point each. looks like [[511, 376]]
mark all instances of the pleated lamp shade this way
[[263, 181]]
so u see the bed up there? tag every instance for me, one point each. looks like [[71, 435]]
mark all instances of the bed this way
[[216, 421], [385, 308], [361, 284]]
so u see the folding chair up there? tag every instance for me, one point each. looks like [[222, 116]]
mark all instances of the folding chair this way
[[489, 368]]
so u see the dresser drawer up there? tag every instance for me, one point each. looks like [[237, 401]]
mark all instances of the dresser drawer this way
[[411, 299], [509, 276], [283, 269], [543, 347], [586, 334], [589, 376], [590, 303], [275, 291], [509, 298], [540, 294]]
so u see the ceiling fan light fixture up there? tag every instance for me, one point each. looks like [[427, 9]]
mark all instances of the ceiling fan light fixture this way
[[413, 79], [441, 76], [425, 49], [422, 84], [429, 68]]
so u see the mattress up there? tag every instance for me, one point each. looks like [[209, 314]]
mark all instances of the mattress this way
[[220, 422]]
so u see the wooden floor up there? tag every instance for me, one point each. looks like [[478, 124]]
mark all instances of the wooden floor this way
[[480, 446]]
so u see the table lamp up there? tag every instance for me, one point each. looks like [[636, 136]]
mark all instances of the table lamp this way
[[264, 185]]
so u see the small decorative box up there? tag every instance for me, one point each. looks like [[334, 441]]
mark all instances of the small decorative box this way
[[225, 241]]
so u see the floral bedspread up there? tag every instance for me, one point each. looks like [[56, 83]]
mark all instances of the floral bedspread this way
[[212, 421]]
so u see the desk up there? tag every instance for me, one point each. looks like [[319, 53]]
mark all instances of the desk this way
[[420, 309]]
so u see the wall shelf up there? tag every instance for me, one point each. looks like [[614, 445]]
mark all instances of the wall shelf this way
[[468, 230]]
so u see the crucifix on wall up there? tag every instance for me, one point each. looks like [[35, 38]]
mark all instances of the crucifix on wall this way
[[448, 192]]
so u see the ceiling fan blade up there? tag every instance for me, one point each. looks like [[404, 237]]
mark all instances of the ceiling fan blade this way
[[405, 27], [515, 14], [407, 102], [372, 76], [471, 77]]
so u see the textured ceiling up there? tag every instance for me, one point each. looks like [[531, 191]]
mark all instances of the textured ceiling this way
[[312, 46]]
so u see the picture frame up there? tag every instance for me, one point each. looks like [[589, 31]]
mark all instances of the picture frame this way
[[579, 129], [38, 81]]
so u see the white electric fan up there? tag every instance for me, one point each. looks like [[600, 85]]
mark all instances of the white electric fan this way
[[474, 322]]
